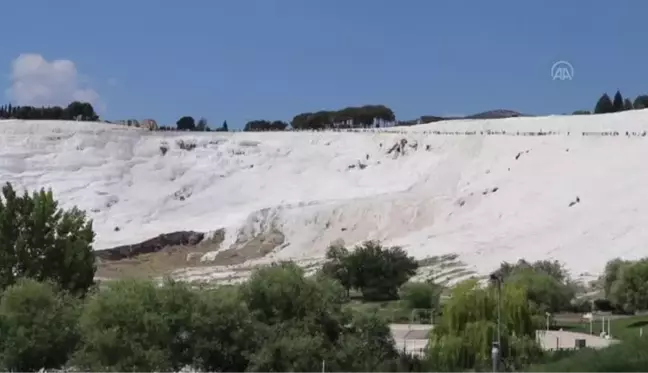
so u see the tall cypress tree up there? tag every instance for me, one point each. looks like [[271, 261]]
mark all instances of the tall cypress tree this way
[[618, 102], [604, 105]]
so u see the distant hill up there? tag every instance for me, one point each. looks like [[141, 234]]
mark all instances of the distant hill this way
[[491, 114], [496, 114]]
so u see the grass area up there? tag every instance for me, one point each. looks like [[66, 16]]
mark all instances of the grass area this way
[[395, 312], [620, 328]]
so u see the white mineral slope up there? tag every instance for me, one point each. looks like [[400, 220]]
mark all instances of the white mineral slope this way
[[453, 194]]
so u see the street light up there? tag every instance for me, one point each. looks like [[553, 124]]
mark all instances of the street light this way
[[495, 351]]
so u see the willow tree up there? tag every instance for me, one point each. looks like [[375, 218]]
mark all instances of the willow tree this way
[[463, 339]]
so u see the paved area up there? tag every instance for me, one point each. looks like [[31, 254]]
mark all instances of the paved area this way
[[412, 338], [559, 339]]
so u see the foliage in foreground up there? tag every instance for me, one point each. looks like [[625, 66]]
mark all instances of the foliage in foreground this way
[[41, 241], [463, 338], [628, 356], [37, 325], [279, 321]]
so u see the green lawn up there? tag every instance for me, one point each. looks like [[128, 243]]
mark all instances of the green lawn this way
[[392, 311], [620, 328]]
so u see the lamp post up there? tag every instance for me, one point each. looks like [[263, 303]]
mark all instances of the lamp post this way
[[495, 351]]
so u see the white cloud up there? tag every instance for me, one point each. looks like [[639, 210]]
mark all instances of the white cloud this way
[[38, 82]]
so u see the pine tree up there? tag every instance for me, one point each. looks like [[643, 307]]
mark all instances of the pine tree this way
[[224, 127], [604, 105], [618, 102], [627, 104]]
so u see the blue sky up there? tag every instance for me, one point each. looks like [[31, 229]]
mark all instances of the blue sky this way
[[239, 60]]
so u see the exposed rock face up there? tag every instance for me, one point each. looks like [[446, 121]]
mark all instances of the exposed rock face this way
[[151, 245], [247, 248]]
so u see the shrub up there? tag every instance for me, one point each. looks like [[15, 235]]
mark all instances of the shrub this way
[[38, 326]]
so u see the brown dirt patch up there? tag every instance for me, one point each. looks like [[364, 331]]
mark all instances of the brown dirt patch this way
[[160, 263]]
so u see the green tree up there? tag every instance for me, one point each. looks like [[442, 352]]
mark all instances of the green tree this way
[[81, 110], [627, 286], [366, 346], [379, 272], [617, 104], [544, 290], [364, 116], [124, 328], [265, 125], [301, 322], [547, 282], [641, 102], [75, 110], [38, 326], [223, 332], [552, 268], [337, 266], [612, 273], [627, 104], [462, 339], [177, 304], [186, 123], [281, 292], [290, 350], [202, 125], [421, 295], [581, 112], [604, 105], [39, 240]]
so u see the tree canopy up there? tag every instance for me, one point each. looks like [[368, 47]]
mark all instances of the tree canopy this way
[[377, 272], [42, 241], [75, 110], [349, 117]]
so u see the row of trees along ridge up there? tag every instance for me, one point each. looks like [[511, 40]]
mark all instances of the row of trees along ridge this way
[[350, 117], [74, 111], [606, 105]]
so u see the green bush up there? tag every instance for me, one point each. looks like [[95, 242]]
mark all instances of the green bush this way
[[421, 295], [38, 327], [628, 356]]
